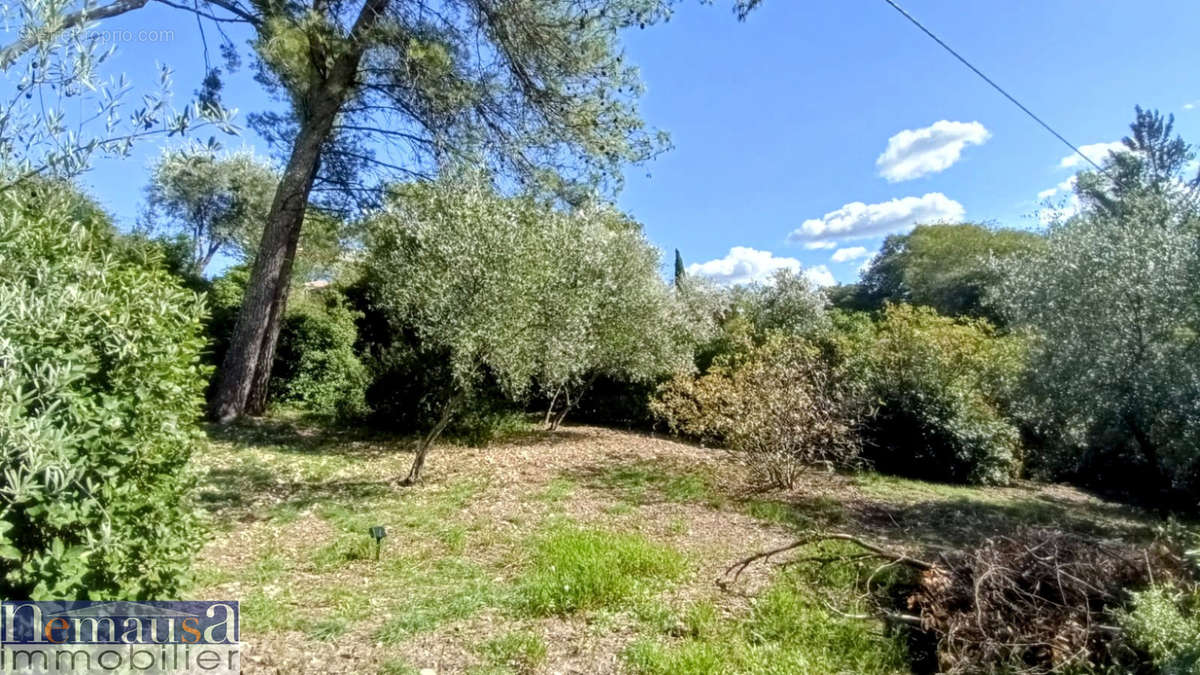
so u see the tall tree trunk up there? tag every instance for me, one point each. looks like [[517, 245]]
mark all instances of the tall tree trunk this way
[[256, 402], [256, 333], [257, 328]]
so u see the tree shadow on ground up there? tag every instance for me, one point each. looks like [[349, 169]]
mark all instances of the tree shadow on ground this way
[[963, 522], [295, 435], [646, 482], [244, 494], [299, 436]]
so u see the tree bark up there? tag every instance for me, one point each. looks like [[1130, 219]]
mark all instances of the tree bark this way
[[256, 402], [246, 372], [550, 408], [448, 410], [562, 414], [271, 274]]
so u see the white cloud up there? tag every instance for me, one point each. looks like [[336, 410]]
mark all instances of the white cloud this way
[[866, 265], [743, 265], [1097, 152], [1191, 106], [814, 245], [847, 254], [857, 220], [1066, 186], [913, 153], [820, 275]]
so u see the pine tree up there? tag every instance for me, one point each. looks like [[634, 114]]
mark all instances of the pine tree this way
[[679, 271]]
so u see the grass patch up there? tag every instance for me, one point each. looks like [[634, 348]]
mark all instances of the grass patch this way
[[557, 490], [814, 513], [646, 482], [575, 569], [787, 630], [897, 489], [345, 549], [433, 594], [327, 629], [519, 651], [262, 612]]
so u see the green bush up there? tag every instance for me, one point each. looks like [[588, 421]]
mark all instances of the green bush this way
[[316, 366], [941, 388], [1160, 623], [100, 392]]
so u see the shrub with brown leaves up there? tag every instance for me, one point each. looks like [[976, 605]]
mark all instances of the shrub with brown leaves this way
[[780, 406]]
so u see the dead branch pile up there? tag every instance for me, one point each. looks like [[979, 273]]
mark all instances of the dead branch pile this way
[[1035, 601]]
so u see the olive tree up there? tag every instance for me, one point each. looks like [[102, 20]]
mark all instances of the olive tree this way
[[523, 294], [53, 71], [218, 203], [605, 292], [1114, 300]]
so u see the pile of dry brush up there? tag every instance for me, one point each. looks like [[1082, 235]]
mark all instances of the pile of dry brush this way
[[1035, 601]]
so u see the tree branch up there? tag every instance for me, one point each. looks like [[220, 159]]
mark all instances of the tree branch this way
[[10, 53], [740, 566]]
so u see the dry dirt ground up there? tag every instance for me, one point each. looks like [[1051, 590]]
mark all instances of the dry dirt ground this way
[[289, 508]]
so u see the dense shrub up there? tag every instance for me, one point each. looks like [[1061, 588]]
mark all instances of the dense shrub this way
[[1114, 385], [941, 388], [779, 405], [738, 317], [100, 390], [1164, 623], [316, 366]]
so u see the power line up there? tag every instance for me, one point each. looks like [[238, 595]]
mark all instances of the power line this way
[[995, 86]]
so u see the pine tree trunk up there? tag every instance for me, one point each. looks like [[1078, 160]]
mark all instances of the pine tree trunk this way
[[256, 402], [247, 367], [252, 348]]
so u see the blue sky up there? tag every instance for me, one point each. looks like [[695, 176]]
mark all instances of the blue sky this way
[[779, 121]]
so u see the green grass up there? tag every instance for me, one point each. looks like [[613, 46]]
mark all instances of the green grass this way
[[517, 651], [815, 513], [327, 629], [430, 594], [557, 490], [645, 482], [574, 569], [346, 548], [787, 630]]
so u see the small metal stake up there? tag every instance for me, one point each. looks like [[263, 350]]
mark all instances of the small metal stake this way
[[378, 533]]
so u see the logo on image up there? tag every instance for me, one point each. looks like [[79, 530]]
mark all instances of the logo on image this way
[[127, 637]]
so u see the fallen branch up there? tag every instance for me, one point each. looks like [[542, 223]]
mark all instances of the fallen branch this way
[[877, 551]]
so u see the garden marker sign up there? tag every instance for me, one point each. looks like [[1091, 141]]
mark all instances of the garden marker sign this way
[[175, 638]]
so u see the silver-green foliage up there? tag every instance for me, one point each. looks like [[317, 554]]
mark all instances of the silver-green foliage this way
[[219, 203], [60, 111], [100, 389], [524, 292], [1114, 300]]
